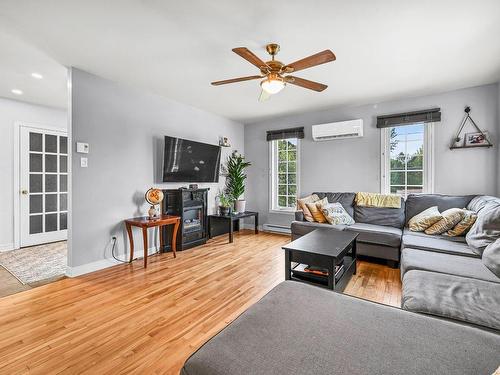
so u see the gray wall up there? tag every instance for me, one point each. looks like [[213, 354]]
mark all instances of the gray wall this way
[[354, 164], [498, 140], [124, 128], [12, 111]]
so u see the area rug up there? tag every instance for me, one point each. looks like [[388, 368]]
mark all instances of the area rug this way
[[33, 264]]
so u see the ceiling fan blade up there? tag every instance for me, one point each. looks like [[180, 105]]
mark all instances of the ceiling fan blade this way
[[250, 57], [311, 85], [233, 80], [264, 95], [313, 60]]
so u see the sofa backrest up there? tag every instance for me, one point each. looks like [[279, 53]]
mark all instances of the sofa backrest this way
[[345, 199], [416, 203], [392, 217]]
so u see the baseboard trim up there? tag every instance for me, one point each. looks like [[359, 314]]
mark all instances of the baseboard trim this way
[[6, 246], [250, 226], [104, 263]]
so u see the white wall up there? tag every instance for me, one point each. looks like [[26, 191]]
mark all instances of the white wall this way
[[12, 111], [125, 128], [354, 164]]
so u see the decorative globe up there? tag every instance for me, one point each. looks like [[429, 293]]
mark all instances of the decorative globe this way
[[154, 196]]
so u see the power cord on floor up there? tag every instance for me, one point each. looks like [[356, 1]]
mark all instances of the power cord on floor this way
[[113, 251]]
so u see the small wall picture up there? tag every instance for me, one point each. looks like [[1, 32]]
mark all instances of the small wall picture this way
[[476, 139]]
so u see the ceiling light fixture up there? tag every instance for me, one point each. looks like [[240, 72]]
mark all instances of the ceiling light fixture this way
[[16, 91], [273, 84], [36, 75]]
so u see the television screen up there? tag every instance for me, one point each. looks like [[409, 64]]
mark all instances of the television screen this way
[[189, 161]]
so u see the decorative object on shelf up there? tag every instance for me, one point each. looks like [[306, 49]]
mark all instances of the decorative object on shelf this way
[[224, 142], [225, 203], [153, 196], [477, 139], [193, 186], [235, 181]]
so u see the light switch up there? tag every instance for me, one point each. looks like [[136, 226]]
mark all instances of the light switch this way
[[84, 162]]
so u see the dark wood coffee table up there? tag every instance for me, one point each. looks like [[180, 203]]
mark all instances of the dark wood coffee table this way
[[325, 248], [229, 220]]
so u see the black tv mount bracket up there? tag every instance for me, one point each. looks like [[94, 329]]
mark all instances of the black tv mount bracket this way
[[457, 138]]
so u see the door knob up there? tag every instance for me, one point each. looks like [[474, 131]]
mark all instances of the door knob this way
[[24, 192]]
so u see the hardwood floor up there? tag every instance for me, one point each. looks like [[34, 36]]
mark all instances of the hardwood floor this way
[[127, 319]]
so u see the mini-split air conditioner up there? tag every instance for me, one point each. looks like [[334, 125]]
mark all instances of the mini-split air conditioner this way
[[338, 130]]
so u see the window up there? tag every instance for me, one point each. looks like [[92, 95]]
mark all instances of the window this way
[[284, 176], [407, 163]]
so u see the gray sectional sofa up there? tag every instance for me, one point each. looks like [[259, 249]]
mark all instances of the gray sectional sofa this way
[[441, 275]]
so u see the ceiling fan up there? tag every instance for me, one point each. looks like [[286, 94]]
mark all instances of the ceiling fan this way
[[275, 74]]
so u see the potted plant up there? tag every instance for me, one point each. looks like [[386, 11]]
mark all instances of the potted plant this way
[[225, 203], [235, 180]]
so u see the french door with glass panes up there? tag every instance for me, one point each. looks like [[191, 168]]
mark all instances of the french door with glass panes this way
[[43, 176]]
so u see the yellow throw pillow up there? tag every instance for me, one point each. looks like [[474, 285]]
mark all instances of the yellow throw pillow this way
[[301, 204], [424, 220], [464, 225], [451, 217], [315, 209]]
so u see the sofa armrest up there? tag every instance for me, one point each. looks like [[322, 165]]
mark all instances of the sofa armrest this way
[[299, 216]]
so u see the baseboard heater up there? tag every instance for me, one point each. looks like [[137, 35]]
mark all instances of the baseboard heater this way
[[276, 228]]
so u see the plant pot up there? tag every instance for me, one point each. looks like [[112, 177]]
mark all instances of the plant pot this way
[[240, 205], [224, 210]]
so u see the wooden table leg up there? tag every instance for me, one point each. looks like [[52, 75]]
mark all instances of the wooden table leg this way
[[288, 270], [131, 239], [174, 237], [160, 229], [230, 230], [145, 239], [256, 223]]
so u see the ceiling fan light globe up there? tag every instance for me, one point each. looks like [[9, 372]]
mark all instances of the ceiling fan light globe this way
[[272, 85]]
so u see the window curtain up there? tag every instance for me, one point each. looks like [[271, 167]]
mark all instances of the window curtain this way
[[401, 119], [273, 135]]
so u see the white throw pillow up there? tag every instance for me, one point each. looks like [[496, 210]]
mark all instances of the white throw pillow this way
[[335, 214]]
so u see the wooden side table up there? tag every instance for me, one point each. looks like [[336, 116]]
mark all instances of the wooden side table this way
[[144, 222]]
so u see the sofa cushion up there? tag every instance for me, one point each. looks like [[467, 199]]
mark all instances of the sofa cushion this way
[[424, 219], [392, 217], [491, 257], [301, 228], [413, 259], [451, 217], [377, 234], [335, 214], [301, 205], [464, 225], [438, 244], [302, 329], [479, 202], [486, 229], [345, 199], [315, 210], [416, 203], [454, 297]]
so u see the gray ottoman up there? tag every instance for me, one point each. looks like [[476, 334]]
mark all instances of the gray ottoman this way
[[302, 329]]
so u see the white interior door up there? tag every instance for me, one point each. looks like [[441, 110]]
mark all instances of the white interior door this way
[[43, 177]]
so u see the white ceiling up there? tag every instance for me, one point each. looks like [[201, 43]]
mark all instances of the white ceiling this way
[[385, 49]]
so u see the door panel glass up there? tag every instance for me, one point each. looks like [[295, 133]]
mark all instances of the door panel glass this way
[[35, 183], [35, 163], [63, 145], [36, 142], [63, 202], [63, 183], [63, 219], [50, 202], [63, 166], [50, 222], [36, 224], [36, 204], [50, 143], [51, 183], [50, 163]]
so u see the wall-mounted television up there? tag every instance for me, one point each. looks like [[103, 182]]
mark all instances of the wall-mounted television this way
[[190, 161]]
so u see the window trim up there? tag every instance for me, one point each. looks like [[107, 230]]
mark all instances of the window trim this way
[[428, 174], [273, 179]]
